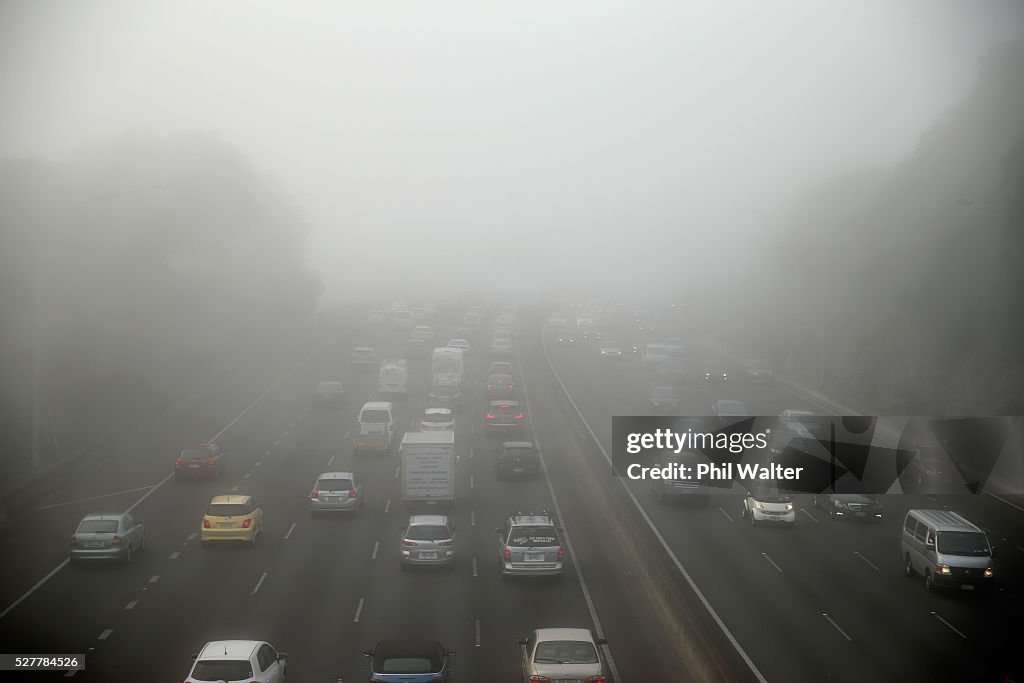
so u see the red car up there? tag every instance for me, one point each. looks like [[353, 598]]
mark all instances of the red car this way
[[200, 461]]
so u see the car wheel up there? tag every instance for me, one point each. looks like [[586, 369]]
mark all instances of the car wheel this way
[[929, 582], [753, 520], [908, 567], [142, 546], [743, 512], [128, 555]]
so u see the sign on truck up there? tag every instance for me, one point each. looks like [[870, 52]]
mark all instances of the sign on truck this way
[[428, 467]]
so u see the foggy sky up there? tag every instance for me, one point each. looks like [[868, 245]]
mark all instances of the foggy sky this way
[[511, 141]]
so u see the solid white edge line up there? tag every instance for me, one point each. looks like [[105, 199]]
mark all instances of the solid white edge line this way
[[951, 627], [806, 512], [1003, 500], [359, 610], [33, 589], [722, 510], [867, 561], [86, 500], [565, 530], [258, 584], [841, 631], [376, 547], [661, 539], [771, 561]]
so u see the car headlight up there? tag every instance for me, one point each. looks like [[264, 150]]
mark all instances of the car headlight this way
[[759, 506], [944, 570], [988, 572], [789, 506]]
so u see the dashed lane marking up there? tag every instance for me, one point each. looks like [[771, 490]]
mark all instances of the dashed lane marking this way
[[359, 610], [841, 631], [290, 530], [259, 583]]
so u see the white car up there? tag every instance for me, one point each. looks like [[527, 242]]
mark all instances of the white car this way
[[460, 344], [238, 661], [767, 505], [423, 332], [437, 420], [610, 349], [729, 412], [557, 654]]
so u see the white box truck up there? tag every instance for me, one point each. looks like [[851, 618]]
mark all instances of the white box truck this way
[[428, 467]]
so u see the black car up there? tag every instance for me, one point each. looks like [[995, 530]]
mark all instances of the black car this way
[[410, 661], [445, 396], [758, 371], [863, 506], [519, 458], [664, 399], [715, 372]]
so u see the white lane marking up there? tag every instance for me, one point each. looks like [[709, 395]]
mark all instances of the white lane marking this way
[[727, 516], [866, 560], [1019, 548], [474, 566], [85, 500], [359, 610], [131, 605], [387, 506], [246, 475], [258, 463], [841, 631], [267, 453], [175, 555], [330, 461], [951, 627], [397, 470], [71, 673], [346, 436], [771, 562], [477, 633], [106, 634], [278, 442], [192, 536], [154, 578], [807, 512], [284, 434], [1011, 596], [1003, 500], [471, 481], [376, 547], [290, 530], [471, 453], [258, 584], [565, 530], [661, 539], [472, 517], [234, 488]]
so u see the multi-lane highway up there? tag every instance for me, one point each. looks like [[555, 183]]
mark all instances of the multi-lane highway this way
[[704, 598]]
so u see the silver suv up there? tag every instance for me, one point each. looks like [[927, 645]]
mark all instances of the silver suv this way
[[428, 540], [530, 545]]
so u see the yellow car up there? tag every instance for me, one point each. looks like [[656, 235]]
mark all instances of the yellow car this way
[[232, 518]]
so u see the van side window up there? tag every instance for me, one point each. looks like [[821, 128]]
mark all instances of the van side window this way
[[921, 532], [931, 537], [910, 525]]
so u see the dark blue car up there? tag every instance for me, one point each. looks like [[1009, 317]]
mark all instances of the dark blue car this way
[[410, 661]]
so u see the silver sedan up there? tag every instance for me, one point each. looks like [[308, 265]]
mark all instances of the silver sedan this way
[[107, 536]]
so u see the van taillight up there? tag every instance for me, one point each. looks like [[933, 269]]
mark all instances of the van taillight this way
[[490, 417], [539, 679], [179, 461], [519, 416], [594, 679]]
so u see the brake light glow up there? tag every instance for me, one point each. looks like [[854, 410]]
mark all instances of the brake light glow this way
[[561, 554], [206, 524], [314, 494], [211, 461], [353, 493], [490, 417], [594, 679], [445, 543], [508, 555], [179, 461], [246, 523], [539, 679], [117, 540], [519, 416], [408, 544]]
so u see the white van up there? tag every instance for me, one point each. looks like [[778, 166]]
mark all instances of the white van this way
[[392, 377], [376, 428], [947, 550]]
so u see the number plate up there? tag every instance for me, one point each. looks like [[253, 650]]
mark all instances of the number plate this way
[[534, 557], [428, 556], [967, 587], [859, 514], [94, 544], [195, 464], [517, 469], [225, 525]]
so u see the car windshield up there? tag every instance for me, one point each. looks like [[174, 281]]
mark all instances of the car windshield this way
[[499, 379], [427, 532], [527, 536], [565, 652], [196, 454], [334, 485], [970, 543], [416, 343], [228, 510], [458, 343], [222, 670], [374, 416], [98, 526]]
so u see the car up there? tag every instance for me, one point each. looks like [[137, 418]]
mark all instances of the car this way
[[419, 312], [610, 349], [501, 343], [583, 321], [234, 517], [671, 371], [427, 540], [504, 322], [714, 371], [729, 412], [500, 367], [517, 458], [363, 358], [107, 536], [557, 320], [684, 489], [500, 386], [423, 332], [503, 417], [865, 506], [445, 396], [437, 420], [328, 394], [335, 492], [530, 545], [410, 661], [758, 371], [378, 317], [417, 349], [461, 344], [664, 398], [768, 505], [234, 661], [591, 334], [204, 460], [562, 654], [566, 338]]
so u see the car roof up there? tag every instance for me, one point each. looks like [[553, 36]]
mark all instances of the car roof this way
[[329, 384], [431, 520], [229, 649], [104, 515], [336, 475], [564, 634], [377, 405], [363, 348], [438, 411], [230, 499], [944, 520], [462, 342], [422, 327], [517, 444], [532, 520]]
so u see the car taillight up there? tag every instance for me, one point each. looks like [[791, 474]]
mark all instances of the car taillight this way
[[490, 417], [445, 543], [490, 387], [314, 494], [116, 540], [539, 679], [179, 461], [246, 523], [599, 678], [353, 493], [211, 461], [519, 416], [508, 555], [432, 395], [206, 524], [408, 544], [73, 541], [561, 554]]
